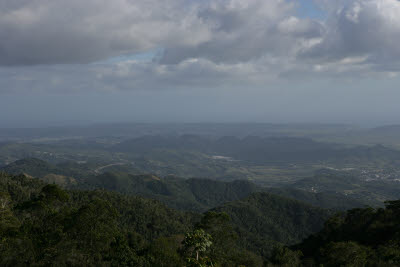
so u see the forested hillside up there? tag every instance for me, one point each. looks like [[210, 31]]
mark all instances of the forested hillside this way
[[43, 224], [122, 219], [359, 237], [326, 199], [179, 193], [184, 194], [264, 219]]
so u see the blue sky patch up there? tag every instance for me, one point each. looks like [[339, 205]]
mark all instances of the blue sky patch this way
[[308, 9]]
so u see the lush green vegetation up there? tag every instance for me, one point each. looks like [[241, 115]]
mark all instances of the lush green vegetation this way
[[359, 237], [43, 224], [183, 194], [263, 219]]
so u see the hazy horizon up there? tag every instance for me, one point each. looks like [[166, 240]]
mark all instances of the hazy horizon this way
[[93, 123]]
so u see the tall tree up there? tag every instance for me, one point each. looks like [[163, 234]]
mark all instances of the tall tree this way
[[197, 242]]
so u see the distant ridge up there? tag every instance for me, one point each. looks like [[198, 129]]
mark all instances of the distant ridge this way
[[257, 149], [31, 166], [195, 194], [392, 129]]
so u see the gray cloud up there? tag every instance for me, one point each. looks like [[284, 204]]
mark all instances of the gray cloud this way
[[74, 31], [206, 44], [363, 32], [53, 32], [243, 32]]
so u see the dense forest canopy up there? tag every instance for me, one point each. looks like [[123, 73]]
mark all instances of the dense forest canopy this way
[[44, 224]]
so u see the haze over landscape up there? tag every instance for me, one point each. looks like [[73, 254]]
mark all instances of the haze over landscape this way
[[223, 133]]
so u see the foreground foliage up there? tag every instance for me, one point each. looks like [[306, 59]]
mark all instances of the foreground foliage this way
[[45, 225], [360, 237], [42, 224]]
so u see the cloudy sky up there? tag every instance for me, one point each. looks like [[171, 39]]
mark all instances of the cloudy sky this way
[[199, 61]]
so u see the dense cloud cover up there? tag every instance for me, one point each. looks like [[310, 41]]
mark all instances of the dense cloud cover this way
[[191, 43], [58, 31]]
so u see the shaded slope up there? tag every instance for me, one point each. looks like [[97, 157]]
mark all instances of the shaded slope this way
[[203, 194], [360, 237], [263, 219], [327, 200], [185, 194]]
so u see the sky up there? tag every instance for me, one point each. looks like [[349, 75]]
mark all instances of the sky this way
[[325, 61]]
